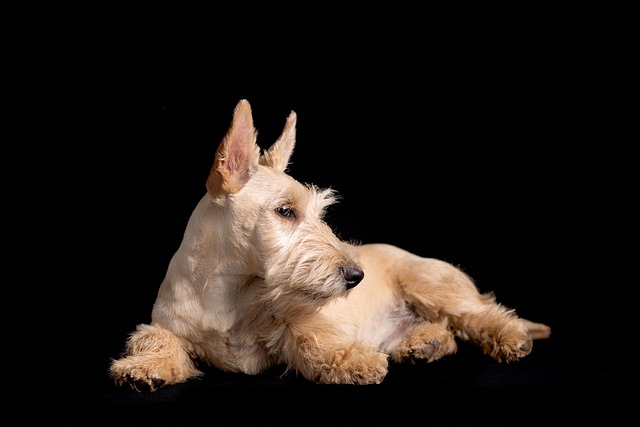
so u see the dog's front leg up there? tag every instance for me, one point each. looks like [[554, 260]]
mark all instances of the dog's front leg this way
[[325, 358], [155, 357]]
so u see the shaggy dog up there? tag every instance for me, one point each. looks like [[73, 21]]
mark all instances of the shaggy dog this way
[[261, 280]]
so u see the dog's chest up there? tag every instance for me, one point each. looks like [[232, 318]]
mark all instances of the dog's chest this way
[[224, 301]]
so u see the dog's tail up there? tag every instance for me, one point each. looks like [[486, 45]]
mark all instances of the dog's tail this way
[[537, 331]]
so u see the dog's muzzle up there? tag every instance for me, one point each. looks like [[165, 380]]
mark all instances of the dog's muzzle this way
[[352, 275]]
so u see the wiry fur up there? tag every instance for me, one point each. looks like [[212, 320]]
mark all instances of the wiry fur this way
[[260, 279]]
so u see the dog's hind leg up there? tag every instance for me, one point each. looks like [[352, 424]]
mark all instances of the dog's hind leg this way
[[155, 357], [436, 290], [440, 290]]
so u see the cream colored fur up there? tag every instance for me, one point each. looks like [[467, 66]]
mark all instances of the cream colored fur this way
[[261, 280]]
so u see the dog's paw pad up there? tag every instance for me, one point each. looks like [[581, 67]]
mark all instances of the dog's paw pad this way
[[140, 385], [145, 385]]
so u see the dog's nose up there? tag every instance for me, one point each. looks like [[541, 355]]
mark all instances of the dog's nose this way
[[353, 276]]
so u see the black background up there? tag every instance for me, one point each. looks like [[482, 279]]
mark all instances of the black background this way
[[496, 137]]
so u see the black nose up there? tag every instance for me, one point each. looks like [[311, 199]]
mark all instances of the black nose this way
[[352, 275]]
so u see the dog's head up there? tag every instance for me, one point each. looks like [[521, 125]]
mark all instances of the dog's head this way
[[274, 222]]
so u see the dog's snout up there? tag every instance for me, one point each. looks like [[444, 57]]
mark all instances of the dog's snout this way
[[352, 275]]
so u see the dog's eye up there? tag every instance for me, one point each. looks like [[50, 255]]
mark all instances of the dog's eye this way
[[286, 212]]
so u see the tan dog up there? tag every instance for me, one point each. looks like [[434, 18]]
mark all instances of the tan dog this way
[[260, 280]]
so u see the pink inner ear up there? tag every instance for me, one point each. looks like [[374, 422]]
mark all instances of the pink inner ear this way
[[240, 143], [236, 158]]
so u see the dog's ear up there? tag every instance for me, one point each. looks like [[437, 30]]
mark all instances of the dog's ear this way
[[277, 156], [237, 155]]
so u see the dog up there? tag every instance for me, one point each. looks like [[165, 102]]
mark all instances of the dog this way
[[261, 280]]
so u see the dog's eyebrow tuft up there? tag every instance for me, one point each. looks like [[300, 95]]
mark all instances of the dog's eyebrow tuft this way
[[325, 196], [322, 199]]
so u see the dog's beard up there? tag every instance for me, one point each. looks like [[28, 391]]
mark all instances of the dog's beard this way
[[306, 293], [296, 302], [322, 294]]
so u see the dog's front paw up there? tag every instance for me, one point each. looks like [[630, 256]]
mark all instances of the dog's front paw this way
[[133, 372], [355, 364], [147, 373]]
